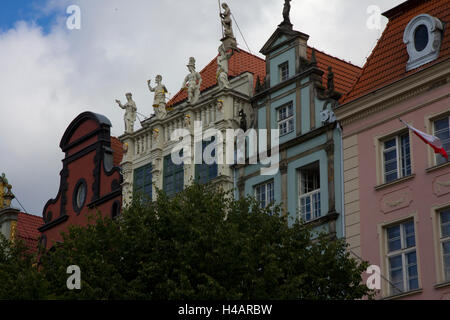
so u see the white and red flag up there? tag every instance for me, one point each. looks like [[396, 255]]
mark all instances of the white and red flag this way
[[433, 141]]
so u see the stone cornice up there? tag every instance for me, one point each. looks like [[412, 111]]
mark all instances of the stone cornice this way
[[394, 93]]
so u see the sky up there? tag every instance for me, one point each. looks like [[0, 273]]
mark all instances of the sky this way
[[51, 74]]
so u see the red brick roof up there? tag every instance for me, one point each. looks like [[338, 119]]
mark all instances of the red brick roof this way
[[239, 63], [117, 147], [27, 229], [387, 63], [345, 73]]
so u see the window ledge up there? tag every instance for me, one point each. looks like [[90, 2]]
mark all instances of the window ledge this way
[[386, 185], [442, 285], [437, 167], [404, 294]]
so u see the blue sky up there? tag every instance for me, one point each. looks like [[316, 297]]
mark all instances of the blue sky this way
[[31, 11]]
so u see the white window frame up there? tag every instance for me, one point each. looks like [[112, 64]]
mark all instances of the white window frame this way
[[316, 207], [443, 240], [436, 156], [281, 67], [265, 185], [397, 147], [403, 251], [288, 120]]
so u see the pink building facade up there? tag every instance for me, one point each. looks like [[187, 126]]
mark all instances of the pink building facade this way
[[397, 191]]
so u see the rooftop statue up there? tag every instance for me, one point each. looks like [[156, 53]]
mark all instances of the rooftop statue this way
[[286, 11], [159, 101], [228, 40], [222, 67], [226, 21], [192, 82], [130, 113]]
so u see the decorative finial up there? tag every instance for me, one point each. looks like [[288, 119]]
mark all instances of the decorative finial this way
[[330, 80], [313, 57]]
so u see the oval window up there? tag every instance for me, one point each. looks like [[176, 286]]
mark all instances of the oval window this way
[[421, 37], [79, 196]]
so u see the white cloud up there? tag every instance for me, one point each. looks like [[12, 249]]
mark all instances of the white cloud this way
[[48, 79]]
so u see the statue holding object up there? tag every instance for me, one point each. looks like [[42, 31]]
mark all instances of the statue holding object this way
[[159, 101], [130, 113]]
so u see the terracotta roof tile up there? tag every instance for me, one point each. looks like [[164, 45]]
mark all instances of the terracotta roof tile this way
[[387, 63], [239, 63], [345, 72], [27, 229]]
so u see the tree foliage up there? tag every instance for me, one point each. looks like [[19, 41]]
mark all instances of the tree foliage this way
[[200, 244]]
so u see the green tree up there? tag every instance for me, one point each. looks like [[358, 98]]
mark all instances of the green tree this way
[[201, 244], [19, 276]]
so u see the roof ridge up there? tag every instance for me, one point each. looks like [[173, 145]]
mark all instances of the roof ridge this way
[[334, 57], [363, 69]]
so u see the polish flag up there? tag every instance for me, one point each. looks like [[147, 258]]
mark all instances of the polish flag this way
[[433, 141]]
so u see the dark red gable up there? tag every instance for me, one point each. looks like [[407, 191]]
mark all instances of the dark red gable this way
[[91, 159]]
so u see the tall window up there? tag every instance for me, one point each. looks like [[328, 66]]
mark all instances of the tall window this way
[[286, 118], [445, 241], [173, 176], [396, 158], [264, 193], [142, 182], [309, 192], [442, 131], [206, 172], [284, 71], [402, 258]]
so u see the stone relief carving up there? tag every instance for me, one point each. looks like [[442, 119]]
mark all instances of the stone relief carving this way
[[220, 105], [187, 120], [130, 113], [192, 82], [396, 200], [441, 185], [155, 135]]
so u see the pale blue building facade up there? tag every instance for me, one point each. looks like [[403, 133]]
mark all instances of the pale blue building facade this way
[[293, 99]]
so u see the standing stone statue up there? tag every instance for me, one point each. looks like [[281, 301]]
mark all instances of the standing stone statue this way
[[159, 101], [226, 21], [192, 82], [222, 67], [286, 12], [228, 40], [130, 113]]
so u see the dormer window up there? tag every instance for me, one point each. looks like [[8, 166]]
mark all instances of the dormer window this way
[[284, 71], [423, 38]]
